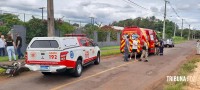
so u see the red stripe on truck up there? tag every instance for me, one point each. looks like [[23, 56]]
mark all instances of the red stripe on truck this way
[[67, 63], [89, 59]]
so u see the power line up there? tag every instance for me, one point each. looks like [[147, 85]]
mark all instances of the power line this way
[[138, 5], [174, 10], [177, 13], [135, 4]]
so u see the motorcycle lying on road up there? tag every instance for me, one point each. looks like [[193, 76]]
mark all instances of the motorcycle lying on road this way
[[14, 69]]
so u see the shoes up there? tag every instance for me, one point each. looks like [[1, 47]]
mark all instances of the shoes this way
[[126, 60], [140, 60], [145, 60]]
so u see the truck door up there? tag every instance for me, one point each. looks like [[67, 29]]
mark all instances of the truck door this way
[[85, 50], [91, 47]]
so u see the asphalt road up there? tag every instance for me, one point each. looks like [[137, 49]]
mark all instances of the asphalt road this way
[[112, 74]]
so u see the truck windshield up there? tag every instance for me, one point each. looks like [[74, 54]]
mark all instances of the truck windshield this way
[[45, 44]]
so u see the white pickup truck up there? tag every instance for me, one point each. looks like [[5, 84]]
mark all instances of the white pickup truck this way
[[168, 43], [58, 54]]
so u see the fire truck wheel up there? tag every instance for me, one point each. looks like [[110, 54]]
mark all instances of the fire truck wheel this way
[[97, 60], [46, 73], [78, 69]]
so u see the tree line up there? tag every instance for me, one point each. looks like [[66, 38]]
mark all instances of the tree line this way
[[157, 25], [38, 28]]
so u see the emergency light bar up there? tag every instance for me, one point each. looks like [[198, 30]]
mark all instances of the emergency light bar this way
[[75, 35], [132, 27]]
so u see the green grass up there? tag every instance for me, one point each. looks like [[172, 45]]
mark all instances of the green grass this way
[[110, 50], [185, 69], [178, 40], [2, 70], [109, 47], [5, 58]]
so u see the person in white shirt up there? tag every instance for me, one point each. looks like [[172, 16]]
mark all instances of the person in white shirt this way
[[2, 46], [134, 47]]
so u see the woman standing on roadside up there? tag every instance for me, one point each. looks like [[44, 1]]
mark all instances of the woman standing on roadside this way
[[10, 48]]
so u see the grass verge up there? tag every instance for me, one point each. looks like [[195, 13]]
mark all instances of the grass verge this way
[[5, 58], [2, 71], [185, 69], [110, 50], [178, 40]]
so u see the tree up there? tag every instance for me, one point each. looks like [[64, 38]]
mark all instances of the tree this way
[[148, 22], [89, 30], [4, 30], [8, 21], [35, 28], [64, 27]]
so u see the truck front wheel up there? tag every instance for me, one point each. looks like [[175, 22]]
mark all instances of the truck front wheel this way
[[97, 60]]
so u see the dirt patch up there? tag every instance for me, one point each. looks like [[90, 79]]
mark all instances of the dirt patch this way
[[159, 85], [194, 82]]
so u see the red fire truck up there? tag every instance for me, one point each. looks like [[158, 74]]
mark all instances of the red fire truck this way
[[147, 35]]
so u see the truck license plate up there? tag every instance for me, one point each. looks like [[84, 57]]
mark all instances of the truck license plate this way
[[44, 68]]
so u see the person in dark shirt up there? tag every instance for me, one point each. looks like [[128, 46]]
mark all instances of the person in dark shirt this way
[[126, 49], [19, 45], [10, 48], [161, 47]]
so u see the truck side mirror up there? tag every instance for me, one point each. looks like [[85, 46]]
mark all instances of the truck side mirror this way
[[95, 44]]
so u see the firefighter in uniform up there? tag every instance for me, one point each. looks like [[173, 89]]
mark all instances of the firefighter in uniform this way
[[161, 47]]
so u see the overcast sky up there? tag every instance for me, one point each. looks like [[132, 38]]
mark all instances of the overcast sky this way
[[107, 11]]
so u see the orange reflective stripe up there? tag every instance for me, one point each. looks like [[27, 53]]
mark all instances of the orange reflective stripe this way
[[123, 41]]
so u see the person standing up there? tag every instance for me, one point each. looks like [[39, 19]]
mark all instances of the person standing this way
[[157, 43], [144, 52], [2, 45], [161, 47], [19, 45], [126, 49], [10, 48], [134, 47]]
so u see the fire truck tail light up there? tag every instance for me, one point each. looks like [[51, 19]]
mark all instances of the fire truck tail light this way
[[63, 56]]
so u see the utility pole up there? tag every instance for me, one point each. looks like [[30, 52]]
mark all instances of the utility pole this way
[[163, 34], [24, 17], [92, 20], [182, 29], [189, 33], [175, 30], [50, 12], [42, 10], [80, 24], [1, 12], [194, 34]]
